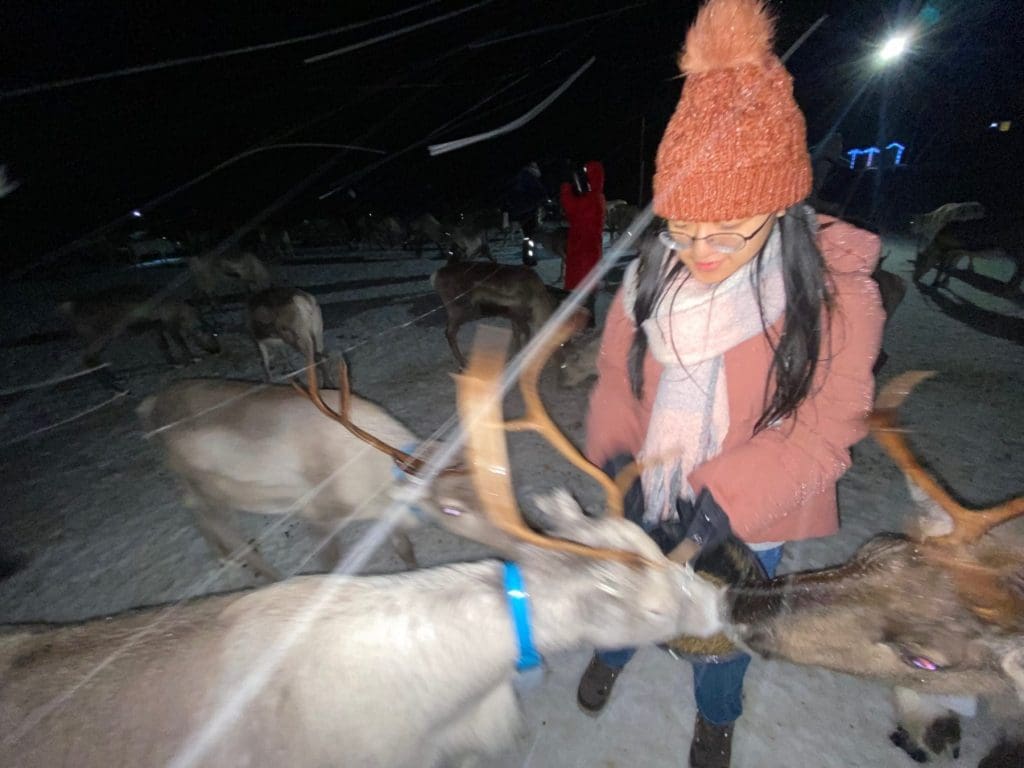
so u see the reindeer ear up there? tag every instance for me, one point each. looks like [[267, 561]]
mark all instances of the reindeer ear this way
[[556, 512], [932, 520]]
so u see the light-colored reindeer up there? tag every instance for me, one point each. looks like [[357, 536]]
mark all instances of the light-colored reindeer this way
[[938, 611], [234, 447], [399, 671], [285, 316]]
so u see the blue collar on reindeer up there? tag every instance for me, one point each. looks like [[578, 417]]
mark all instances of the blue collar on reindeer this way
[[400, 476], [519, 606]]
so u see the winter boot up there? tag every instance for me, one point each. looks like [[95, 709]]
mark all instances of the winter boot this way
[[596, 686], [711, 746]]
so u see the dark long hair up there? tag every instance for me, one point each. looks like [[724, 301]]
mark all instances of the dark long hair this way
[[796, 352]]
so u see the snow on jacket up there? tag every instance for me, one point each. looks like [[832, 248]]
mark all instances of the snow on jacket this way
[[586, 225], [780, 484]]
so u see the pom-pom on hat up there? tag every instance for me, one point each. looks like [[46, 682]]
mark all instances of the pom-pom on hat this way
[[736, 145]]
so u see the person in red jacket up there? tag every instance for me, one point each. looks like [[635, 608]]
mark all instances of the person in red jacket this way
[[583, 203]]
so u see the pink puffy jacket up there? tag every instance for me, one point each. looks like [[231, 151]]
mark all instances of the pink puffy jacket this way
[[778, 485]]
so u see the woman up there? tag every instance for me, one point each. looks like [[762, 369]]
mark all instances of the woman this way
[[736, 358]]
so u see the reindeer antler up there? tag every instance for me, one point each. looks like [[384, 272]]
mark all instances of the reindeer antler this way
[[536, 419], [480, 408], [405, 461], [968, 525]]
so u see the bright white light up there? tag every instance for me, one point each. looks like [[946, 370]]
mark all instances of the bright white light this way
[[894, 47], [137, 214]]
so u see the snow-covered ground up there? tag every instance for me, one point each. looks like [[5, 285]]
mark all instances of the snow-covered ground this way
[[92, 522]]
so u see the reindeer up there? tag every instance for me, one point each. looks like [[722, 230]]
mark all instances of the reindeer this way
[[472, 290], [234, 446], [344, 688], [468, 241], [98, 321], [971, 239], [285, 316], [926, 226], [940, 610], [210, 269], [424, 229], [275, 243], [488, 219]]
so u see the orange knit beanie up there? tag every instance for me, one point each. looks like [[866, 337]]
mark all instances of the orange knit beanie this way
[[736, 145]]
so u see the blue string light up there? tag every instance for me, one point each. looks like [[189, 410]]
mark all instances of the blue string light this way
[[870, 152]]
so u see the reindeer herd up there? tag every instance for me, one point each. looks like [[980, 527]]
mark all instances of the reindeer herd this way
[[417, 668]]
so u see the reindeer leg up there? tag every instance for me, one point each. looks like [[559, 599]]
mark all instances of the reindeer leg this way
[[451, 332], [403, 548], [228, 544], [265, 359]]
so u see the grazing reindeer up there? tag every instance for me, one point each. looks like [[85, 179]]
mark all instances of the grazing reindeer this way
[[473, 289], [285, 316], [469, 241], [938, 611], [971, 239], [424, 229], [210, 269], [100, 320], [236, 447], [275, 243], [928, 225], [345, 689]]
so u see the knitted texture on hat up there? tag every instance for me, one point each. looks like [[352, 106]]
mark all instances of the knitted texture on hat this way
[[736, 145]]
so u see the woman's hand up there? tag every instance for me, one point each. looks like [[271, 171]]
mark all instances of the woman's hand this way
[[706, 526]]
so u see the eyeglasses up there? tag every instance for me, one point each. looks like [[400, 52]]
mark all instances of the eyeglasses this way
[[721, 242]]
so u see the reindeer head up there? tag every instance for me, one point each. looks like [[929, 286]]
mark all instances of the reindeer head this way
[[642, 590], [644, 596], [940, 609]]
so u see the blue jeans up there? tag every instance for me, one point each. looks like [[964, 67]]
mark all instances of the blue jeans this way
[[717, 688]]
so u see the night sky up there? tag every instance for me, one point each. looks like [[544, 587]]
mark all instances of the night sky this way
[[90, 152]]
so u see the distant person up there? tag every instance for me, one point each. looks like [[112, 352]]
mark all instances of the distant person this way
[[527, 195], [582, 200]]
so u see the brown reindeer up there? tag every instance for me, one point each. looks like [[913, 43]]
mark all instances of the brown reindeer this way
[[937, 611], [100, 320], [285, 316], [475, 289]]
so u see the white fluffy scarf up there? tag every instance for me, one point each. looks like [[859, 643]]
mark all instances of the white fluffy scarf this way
[[689, 332]]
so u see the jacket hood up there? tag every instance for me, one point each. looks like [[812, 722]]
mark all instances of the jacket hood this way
[[848, 249], [595, 175]]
